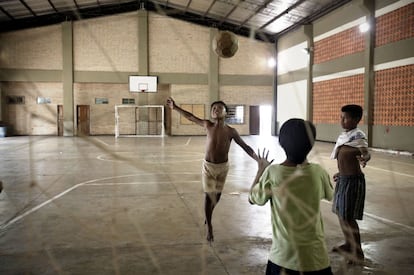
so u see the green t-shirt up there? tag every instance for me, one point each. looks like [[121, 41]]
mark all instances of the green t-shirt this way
[[294, 194]]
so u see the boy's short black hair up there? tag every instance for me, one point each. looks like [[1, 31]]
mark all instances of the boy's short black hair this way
[[297, 137], [219, 102], [354, 111]]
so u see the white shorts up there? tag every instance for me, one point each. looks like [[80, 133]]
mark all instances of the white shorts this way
[[213, 176]]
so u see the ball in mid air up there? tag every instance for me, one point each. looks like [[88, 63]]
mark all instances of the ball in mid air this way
[[225, 44]]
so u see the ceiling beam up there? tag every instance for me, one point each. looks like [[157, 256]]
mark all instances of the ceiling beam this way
[[27, 7], [230, 12], [286, 11], [315, 15], [188, 6], [52, 5], [6, 13], [262, 7], [209, 8]]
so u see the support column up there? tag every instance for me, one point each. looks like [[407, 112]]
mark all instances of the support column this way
[[213, 73], [275, 128], [369, 75], [308, 30], [143, 64], [67, 79]]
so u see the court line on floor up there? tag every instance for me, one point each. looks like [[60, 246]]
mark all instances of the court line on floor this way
[[378, 218], [384, 170], [188, 142], [101, 141], [92, 182], [34, 209], [389, 171], [89, 182]]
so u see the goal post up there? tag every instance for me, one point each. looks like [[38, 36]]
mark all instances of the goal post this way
[[139, 120]]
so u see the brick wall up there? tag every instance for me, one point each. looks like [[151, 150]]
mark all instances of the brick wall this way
[[329, 96], [394, 26], [394, 97], [32, 118], [341, 44], [37, 48], [106, 43], [394, 88], [102, 116], [187, 49]]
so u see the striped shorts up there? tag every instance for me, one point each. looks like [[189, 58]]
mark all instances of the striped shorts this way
[[349, 197]]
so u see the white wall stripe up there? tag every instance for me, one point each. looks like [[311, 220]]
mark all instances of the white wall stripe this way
[[394, 64], [379, 67], [339, 75], [361, 20], [392, 7], [340, 29]]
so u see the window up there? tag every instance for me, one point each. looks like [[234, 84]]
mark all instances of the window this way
[[195, 109], [101, 100], [43, 100], [235, 114], [15, 99], [128, 101]]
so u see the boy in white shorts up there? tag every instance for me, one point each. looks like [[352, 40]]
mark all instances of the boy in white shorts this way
[[215, 165]]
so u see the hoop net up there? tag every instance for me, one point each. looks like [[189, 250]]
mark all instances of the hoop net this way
[[139, 121]]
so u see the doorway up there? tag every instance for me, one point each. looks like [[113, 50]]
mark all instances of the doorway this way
[[254, 120], [265, 120], [260, 121], [82, 113], [60, 120]]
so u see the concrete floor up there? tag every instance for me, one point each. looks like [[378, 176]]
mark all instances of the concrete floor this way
[[101, 205]]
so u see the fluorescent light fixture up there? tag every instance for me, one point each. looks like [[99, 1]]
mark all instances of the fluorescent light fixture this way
[[364, 27], [271, 62]]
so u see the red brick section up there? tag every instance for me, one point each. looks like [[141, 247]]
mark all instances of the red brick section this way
[[329, 96], [394, 97], [341, 44], [395, 26]]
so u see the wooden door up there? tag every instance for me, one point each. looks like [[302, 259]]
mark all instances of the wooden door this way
[[60, 120], [83, 120], [254, 120]]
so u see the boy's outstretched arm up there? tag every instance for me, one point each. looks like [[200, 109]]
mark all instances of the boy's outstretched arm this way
[[243, 145], [186, 114], [364, 157]]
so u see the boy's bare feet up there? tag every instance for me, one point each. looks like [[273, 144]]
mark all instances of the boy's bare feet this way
[[351, 256], [209, 237], [342, 248], [356, 259]]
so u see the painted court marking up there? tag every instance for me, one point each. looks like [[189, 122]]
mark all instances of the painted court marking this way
[[95, 183], [89, 182]]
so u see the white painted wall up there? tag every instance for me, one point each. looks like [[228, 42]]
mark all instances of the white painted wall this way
[[291, 101]]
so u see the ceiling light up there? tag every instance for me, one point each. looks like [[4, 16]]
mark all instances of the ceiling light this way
[[364, 27], [271, 62]]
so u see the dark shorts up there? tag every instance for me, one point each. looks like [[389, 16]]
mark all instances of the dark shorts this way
[[349, 197], [274, 269]]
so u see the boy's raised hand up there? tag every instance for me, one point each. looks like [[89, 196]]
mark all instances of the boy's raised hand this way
[[363, 159], [170, 103], [262, 159]]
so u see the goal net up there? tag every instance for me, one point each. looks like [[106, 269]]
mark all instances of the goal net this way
[[139, 121]]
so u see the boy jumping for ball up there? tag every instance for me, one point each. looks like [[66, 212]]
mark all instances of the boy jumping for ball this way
[[215, 165]]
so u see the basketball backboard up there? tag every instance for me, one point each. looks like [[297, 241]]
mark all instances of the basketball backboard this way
[[142, 84]]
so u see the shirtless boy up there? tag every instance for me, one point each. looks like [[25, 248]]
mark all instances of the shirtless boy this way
[[215, 165], [351, 152]]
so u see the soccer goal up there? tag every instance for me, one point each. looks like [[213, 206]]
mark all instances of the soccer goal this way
[[139, 121]]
